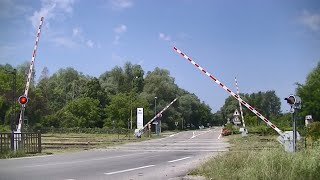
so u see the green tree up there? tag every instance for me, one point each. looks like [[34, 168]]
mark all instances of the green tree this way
[[118, 111], [82, 112], [310, 94]]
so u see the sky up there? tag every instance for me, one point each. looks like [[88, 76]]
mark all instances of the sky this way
[[267, 45]]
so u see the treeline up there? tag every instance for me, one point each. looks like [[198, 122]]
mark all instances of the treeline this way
[[268, 104], [69, 98]]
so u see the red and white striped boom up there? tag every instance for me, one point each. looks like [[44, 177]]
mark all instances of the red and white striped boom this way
[[158, 115], [230, 92], [26, 90], [240, 106]]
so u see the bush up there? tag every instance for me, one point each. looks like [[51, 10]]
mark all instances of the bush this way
[[12, 154], [4, 129], [314, 131], [262, 130]]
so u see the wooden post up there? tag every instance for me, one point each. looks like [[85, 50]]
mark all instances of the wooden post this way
[[39, 142]]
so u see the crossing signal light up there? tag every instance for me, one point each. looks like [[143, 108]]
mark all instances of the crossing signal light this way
[[23, 100], [294, 101], [290, 100]]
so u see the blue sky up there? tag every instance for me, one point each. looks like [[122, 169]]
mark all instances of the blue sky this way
[[268, 45]]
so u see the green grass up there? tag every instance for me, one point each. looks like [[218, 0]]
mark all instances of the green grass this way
[[11, 154], [264, 161], [61, 143]]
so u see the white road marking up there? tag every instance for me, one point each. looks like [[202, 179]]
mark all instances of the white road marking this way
[[69, 179], [126, 170], [80, 161], [179, 159], [193, 136], [220, 134], [30, 157], [167, 137]]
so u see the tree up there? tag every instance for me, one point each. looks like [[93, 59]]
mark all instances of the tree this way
[[267, 103], [65, 85], [95, 91], [82, 112], [118, 112], [310, 94], [160, 84]]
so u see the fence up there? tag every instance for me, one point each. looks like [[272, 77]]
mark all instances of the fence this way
[[27, 142]]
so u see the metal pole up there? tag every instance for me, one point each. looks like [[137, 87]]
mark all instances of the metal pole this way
[[294, 131], [14, 97], [155, 113], [131, 104]]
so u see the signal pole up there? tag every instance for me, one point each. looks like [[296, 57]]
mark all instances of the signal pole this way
[[295, 103]]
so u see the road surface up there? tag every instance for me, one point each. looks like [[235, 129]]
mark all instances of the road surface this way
[[166, 158]]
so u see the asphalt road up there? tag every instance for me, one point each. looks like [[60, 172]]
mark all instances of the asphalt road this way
[[166, 158]]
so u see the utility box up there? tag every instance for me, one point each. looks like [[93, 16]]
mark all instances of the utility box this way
[[138, 133], [287, 140], [244, 132]]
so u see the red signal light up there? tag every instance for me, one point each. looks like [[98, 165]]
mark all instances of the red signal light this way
[[23, 100]]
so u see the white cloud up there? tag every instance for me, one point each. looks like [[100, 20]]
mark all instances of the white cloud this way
[[90, 44], [52, 9], [164, 37], [120, 29], [76, 32], [121, 4], [310, 20]]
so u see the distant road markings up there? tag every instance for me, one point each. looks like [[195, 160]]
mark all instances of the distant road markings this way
[[126, 170], [30, 157], [179, 159], [69, 179], [193, 136]]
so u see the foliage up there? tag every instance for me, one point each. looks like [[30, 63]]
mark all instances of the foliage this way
[[12, 154], [314, 131], [310, 94], [267, 103], [68, 98], [4, 129]]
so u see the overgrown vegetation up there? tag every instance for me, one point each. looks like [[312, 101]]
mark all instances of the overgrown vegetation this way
[[11, 154], [260, 157]]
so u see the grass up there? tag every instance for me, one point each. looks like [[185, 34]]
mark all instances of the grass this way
[[61, 143], [250, 158], [11, 154], [53, 143]]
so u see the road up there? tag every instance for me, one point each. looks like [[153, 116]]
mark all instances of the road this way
[[166, 158]]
